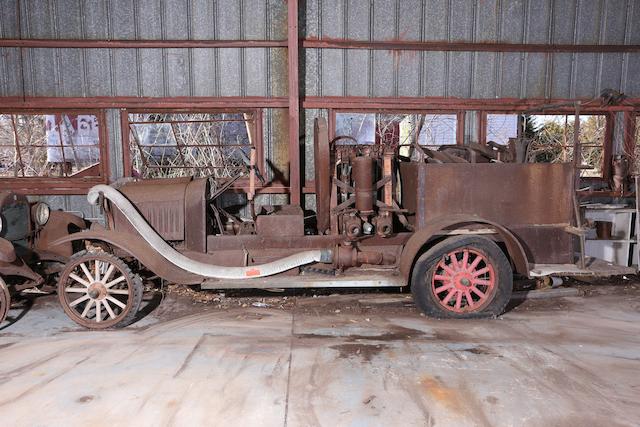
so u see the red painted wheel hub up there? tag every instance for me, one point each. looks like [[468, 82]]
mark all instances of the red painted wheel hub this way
[[464, 281]]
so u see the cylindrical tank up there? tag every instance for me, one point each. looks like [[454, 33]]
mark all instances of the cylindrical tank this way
[[364, 181]]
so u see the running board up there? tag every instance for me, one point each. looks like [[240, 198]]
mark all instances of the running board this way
[[593, 267], [310, 281]]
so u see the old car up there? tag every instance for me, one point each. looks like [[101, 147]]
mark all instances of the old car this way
[[26, 254], [455, 232]]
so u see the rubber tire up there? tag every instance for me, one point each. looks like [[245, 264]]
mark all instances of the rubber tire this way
[[423, 271], [5, 300], [136, 283]]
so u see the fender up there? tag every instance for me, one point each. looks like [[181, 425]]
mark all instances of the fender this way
[[60, 224], [137, 247], [417, 241]]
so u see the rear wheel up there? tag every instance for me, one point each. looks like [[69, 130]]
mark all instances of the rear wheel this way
[[98, 290], [462, 277], [5, 300]]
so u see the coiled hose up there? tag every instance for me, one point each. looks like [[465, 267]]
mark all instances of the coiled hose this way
[[197, 267]]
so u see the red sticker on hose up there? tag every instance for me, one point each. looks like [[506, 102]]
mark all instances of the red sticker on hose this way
[[253, 272]]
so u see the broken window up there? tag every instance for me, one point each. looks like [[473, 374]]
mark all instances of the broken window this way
[[171, 145], [429, 130], [53, 145], [552, 140]]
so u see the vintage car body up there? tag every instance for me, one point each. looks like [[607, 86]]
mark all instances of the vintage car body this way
[[26, 233], [381, 220]]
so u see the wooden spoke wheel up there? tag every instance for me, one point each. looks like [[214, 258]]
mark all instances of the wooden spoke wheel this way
[[5, 300], [98, 290], [461, 277]]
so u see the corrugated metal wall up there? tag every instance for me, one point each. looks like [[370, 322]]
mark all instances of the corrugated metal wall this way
[[164, 72], [479, 74]]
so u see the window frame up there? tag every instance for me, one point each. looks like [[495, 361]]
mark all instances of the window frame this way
[[607, 144], [45, 185], [242, 184], [460, 118]]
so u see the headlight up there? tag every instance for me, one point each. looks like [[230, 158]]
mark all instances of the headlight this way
[[41, 212], [1, 225]]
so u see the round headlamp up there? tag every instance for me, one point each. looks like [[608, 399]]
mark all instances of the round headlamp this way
[[41, 212]]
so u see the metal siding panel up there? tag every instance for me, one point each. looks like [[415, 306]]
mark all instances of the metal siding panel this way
[[538, 21], [410, 19], [9, 19], [11, 71], [38, 14], [72, 72], [383, 75], [358, 21], [177, 77], [121, 17], [204, 72], [561, 75], [611, 71], [434, 73], [149, 16], [98, 74], [487, 21], [43, 79], [633, 71], [176, 19], [384, 24], [255, 72], [586, 66], [95, 20], [511, 71], [589, 18], [124, 66], [536, 80], [615, 19], [228, 19], [311, 24], [277, 11], [311, 72], [408, 73], [512, 21], [564, 14], [254, 13], [484, 73], [635, 23], [461, 20], [459, 82], [332, 23], [152, 76], [229, 72], [279, 84], [116, 152], [332, 72], [69, 21], [436, 20], [202, 23]]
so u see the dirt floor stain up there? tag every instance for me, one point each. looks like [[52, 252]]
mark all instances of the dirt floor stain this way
[[364, 351]]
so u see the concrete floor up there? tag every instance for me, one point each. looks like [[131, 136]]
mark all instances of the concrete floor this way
[[333, 361]]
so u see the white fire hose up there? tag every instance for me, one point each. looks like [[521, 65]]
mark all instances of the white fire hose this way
[[197, 267]]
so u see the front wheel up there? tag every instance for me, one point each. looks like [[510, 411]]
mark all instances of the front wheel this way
[[98, 290], [5, 300], [462, 277]]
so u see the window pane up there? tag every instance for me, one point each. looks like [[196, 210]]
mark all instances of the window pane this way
[[55, 145], [361, 127], [552, 140], [501, 127], [431, 130], [178, 145]]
